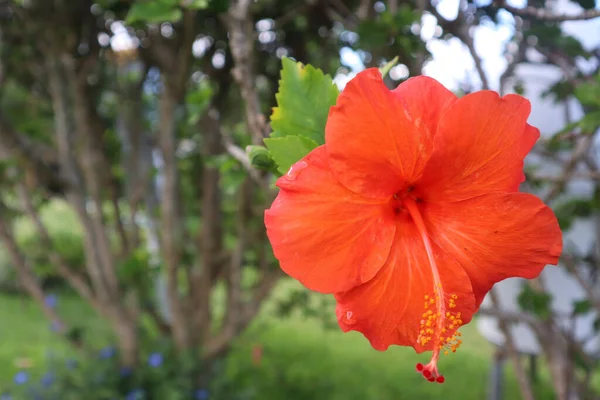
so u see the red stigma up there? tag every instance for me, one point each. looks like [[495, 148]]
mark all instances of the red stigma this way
[[430, 372]]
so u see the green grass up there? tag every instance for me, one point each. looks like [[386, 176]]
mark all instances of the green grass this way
[[26, 338], [301, 359]]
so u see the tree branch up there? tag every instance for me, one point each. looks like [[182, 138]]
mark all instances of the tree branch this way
[[584, 283], [74, 279], [241, 42], [241, 156], [460, 28], [570, 167], [89, 128], [70, 170], [171, 227], [543, 14], [513, 353]]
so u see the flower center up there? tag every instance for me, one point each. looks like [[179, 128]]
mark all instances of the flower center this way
[[399, 199]]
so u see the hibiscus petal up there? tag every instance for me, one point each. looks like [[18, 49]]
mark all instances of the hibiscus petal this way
[[390, 308], [426, 99], [496, 236], [479, 148], [324, 235], [375, 146], [530, 136]]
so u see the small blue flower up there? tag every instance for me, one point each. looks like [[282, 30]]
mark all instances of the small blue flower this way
[[21, 377], [51, 300], [48, 379], [126, 371], [135, 394], [155, 360], [108, 352], [71, 364], [56, 326], [201, 394], [5, 396]]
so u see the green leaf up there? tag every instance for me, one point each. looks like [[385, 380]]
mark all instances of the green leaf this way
[[519, 87], [590, 122], [289, 150], [154, 11], [535, 302], [586, 4], [197, 100], [195, 4], [588, 94], [581, 307], [568, 210], [303, 101], [261, 158]]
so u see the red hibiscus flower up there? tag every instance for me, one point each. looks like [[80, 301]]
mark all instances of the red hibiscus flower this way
[[411, 212]]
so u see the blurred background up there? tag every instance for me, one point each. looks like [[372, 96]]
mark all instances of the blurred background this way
[[133, 257]]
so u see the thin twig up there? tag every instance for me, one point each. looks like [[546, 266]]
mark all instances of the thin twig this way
[[569, 168], [240, 155], [591, 294]]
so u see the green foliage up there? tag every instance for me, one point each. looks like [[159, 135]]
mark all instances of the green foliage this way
[[389, 35], [154, 11], [586, 4], [588, 93], [261, 158], [160, 375], [309, 306], [567, 210], [157, 11], [30, 112], [134, 270], [299, 357], [298, 122], [551, 37], [303, 101], [288, 150], [195, 4], [560, 91], [590, 122], [197, 100], [65, 235], [535, 302], [519, 87], [581, 307]]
